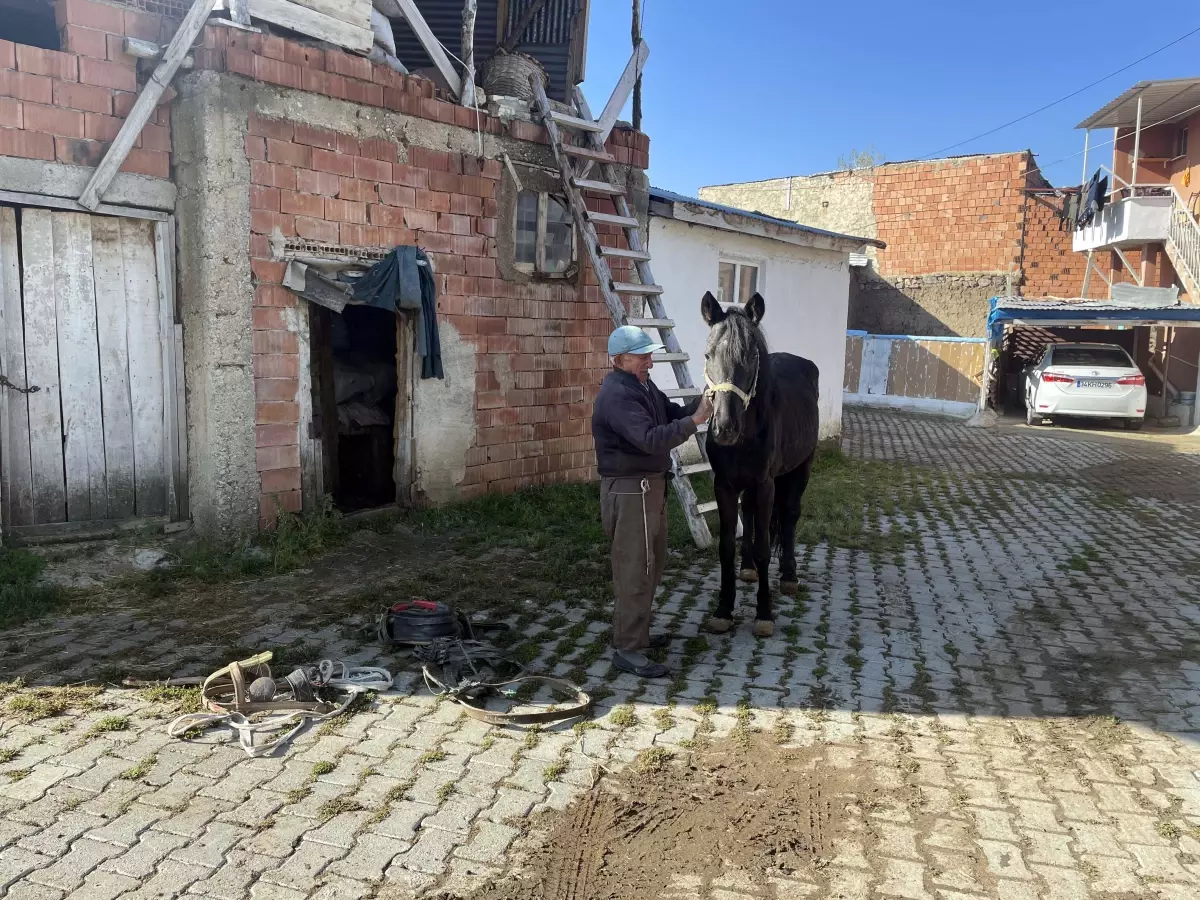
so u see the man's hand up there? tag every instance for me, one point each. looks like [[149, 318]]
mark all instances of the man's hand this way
[[703, 412]]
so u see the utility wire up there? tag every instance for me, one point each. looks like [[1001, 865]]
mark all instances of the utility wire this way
[[1062, 99]]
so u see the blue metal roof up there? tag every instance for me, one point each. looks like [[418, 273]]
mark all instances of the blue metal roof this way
[[1006, 309], [671, 197]]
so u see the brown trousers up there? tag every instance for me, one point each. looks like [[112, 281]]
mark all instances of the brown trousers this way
[[636, 522]]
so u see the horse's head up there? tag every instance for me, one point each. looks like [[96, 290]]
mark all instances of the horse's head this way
[[733, 361]]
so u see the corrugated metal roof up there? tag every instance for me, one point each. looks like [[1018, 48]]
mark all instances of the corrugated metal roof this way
[[1161, 101], [671, 197]]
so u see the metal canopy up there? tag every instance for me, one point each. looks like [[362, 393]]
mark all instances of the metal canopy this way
[[1010, 310], [1161, 102]]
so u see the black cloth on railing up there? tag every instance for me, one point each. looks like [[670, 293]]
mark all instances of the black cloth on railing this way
[[1095, 195], [404, 280]]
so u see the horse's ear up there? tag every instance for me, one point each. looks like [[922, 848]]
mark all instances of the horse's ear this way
[[756, 308], [711, 310]]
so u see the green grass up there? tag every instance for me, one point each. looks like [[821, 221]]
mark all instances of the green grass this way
[[23, 596], [109, 724]]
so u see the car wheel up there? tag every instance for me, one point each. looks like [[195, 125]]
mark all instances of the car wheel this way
[[1133, 424], [1030, 418]]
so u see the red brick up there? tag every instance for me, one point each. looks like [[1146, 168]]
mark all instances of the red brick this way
[[27, 144], [50, 119], [301, 204], [424, 158], [325, 183], [275, 342], [448, 182], [410, 175], [462, 205], [310, 58], [315, 137], [122, 102], [345, 64], [288, 154], [272, 175], [278, 129], [376, 149], [421, 219], [278, 457], [100, 128], [388, 216], [155, 137], [371, 169], [392, 237], [50, 63], [255, 147], [432, 200], [264, 198], [270, 504], [356, 191], [272, 46], [23, 86], [364, 92], [89, 15], [78, 153], [115, 51], [107, 74], [327, 161], [268, 271], [8, 55], [274, 435], [276, 413], [144, 25], [153, 163], [275, 480], [274, 295], [345, 211], [274, 71], [267, 390], [240, 61], [264, 222], [317, 229], [397, 195], [451, 224], [10, 113]]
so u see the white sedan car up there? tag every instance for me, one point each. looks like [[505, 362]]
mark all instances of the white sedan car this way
[[1091, 380]]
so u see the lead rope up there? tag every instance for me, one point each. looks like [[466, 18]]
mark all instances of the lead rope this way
[[645, 485]]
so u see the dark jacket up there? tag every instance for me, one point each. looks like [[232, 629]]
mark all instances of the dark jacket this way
[[635, 427]]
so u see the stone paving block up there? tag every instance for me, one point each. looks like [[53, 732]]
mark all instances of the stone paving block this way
[[340, 830], [489, 843], [125, 829], [403, 820], [300, 870], [370, 857], [34, 785], [280, 838], [428, 854], [27, 890], [104, 886], [335, 888], [233, 879], [67, 872], [170, 880], [56, 839], [455, 815], [1005, 860], [141, 860], [16, 863]]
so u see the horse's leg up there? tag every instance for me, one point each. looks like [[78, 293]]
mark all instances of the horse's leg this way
[[764, 618], [790, 495], [727, 509], [748, 572]]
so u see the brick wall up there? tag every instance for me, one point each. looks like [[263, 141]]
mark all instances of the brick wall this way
[[950, 215], [1051, 268], [540, 346], [68, 106]]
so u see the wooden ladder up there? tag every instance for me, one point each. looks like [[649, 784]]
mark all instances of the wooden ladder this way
[[575, 161]]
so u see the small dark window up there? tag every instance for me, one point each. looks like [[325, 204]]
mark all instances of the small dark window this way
[[544, 234], [1090, 356], [29, 22]]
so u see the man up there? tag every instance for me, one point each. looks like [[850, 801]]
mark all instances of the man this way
[[635, 427]]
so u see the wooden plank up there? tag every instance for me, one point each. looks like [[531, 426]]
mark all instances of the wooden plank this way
[[612, 219], [575, 122], [70, 532], [352, 12], [112, 326], [624, 253], [315, 23], [22, 199], [402, 470], [598, 187], [145, 368], [430, 43], [164, 264], [79, 367], [17, 492], [620, 94], [183, 511], [239, 12], [651, 323], [146, 102], [641, 290], [589, 153], [467, 44], [41, 367], [853, 364]]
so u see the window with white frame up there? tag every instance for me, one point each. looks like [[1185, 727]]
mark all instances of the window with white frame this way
[[544, 234], [736, 282]]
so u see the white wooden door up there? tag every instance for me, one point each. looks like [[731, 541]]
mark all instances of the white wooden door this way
[[88, 321]]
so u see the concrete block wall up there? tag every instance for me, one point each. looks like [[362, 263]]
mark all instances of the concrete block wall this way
[[536, 349], [68, 105]]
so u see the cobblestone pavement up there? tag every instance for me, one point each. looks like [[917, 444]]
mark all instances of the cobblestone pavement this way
[[1014, 639]]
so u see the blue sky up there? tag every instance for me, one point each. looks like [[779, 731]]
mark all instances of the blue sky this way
[[766, 88]]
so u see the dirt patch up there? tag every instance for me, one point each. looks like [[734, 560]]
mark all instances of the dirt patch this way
[[729, 810]]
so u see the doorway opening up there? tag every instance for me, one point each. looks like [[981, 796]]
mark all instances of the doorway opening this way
[[354, 403]]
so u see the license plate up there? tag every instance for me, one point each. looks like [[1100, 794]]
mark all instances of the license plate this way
[[1093, 384]]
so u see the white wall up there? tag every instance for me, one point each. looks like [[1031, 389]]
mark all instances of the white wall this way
[[807, 293]]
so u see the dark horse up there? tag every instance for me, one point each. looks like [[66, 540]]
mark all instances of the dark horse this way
[[761, 441]]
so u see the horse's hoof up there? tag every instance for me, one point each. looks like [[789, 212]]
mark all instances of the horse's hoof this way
[[763, 628], [717, 625], [789, 587], [748, 575]]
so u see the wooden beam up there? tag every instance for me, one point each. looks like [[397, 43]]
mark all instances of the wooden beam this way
[[144, 106], [432, 47], [239, 11], [636, 34], [633, 70], [316, 23], [513, 38], [470, 8]]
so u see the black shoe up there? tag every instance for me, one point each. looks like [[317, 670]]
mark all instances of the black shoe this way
[[650, 670]]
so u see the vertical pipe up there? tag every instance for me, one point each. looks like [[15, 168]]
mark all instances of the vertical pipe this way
[[1137, 143], [468, 53], [1087, 140], [636, 34], [789, 195], [1166, 394]]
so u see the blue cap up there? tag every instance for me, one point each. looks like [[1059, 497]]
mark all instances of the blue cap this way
[[631, 339]]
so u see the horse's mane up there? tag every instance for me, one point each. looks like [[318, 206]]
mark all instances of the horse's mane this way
[[742, 340]]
